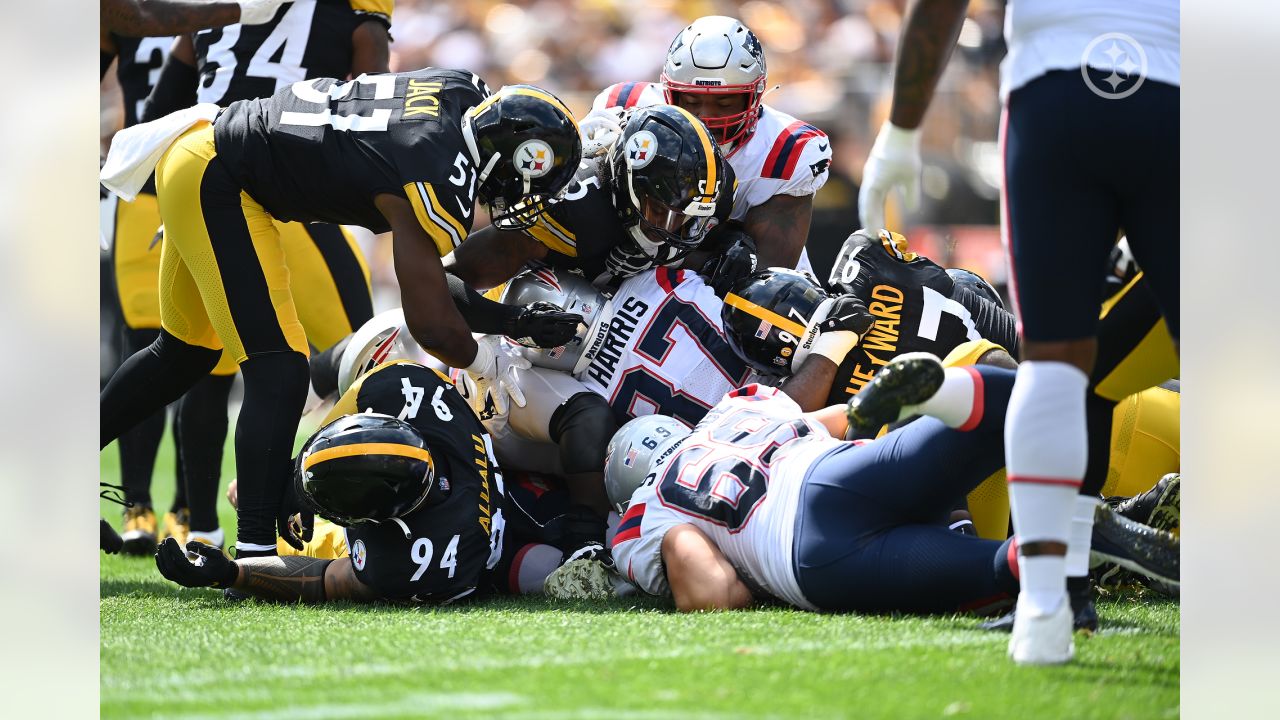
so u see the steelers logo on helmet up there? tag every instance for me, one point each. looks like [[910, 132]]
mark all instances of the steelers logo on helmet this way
[[642, 147], [358, 554], [534, 158]]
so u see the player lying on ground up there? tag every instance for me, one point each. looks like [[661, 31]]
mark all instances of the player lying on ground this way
[[405, 466], [764, 501]]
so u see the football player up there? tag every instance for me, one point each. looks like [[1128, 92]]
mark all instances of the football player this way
[[156, 18], [715, 69], [650, 201], [1065, 203], [328, 274], [408, 152], [764, 501]]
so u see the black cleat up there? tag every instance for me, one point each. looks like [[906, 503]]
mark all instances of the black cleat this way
[[1084, 615], [1134, 546], [908, 379], [1159, 506]]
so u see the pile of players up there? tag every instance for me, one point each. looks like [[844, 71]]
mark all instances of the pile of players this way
[[763, 437]]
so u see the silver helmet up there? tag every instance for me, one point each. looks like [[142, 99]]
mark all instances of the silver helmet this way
[[571, 293], [382, 339], [633, 451], [718, 55]]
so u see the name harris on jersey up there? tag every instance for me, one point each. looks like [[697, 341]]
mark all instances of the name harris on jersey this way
[[616, 334]]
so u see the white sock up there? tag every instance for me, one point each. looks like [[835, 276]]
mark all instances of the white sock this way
[[958, 402], [1081, 536], [1046, 451], [213, 537], [531, 566]]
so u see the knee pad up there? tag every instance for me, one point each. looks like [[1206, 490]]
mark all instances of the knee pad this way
[[582, 427]]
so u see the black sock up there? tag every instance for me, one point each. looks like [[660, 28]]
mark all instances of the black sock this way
[[148, 381], [202, 434], [275, 389], [139, 445]]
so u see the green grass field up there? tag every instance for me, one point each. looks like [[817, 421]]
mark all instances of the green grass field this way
[[171, 652]]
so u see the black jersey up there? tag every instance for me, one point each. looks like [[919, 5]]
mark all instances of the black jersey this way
[[916, 305], [320, 150], [452, 545], [306, 39], [138, 63], [581, 229]]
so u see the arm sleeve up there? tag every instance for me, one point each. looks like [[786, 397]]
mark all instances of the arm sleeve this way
[[993, 322], [174, 90], [482, 314]]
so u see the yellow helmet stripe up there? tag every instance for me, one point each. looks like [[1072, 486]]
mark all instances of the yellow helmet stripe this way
[[766, 314], [354, 449], [707, 151]]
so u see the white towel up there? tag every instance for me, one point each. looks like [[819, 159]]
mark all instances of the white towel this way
[[136, 150]]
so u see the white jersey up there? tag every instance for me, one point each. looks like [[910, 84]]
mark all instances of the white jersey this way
[[664, 351], [783, 155], [737, 478], [1045, 35]]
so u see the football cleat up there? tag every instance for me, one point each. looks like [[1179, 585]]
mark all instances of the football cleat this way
[[581, 579], [1134, 546], [1040, 639], [1084, 614], [139, 534], [177, 525], [908, 379], [1158, 507]]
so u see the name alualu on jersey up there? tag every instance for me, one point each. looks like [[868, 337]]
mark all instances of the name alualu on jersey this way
[[617, 333]]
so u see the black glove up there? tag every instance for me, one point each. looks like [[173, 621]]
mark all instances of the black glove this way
[[295, 520], [211, 569], [542, 325], [591, 551], [848, 313], [735, 261]]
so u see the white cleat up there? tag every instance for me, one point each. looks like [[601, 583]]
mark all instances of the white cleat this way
[[1040, 639]]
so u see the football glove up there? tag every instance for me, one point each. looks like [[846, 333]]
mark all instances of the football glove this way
[[542, 325], [735, 261], [894, 162], [257, 12], [845, 324], [492, 373], [599, 130], [199, 565]]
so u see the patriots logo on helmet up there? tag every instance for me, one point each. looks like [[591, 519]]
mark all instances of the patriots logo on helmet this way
[[641, 148], [534, 158]]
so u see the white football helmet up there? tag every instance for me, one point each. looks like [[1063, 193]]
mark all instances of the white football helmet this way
[[570, 293], [633, 451], [383, 338], [718, 55]]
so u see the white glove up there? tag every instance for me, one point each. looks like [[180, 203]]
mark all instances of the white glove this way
[[256, 12], [599, 130], [894, 162], [492, 373]]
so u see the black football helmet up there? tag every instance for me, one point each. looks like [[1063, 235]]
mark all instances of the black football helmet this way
[[668, 177], [976, 283], [525, 143], [768, 316], [366, 467]]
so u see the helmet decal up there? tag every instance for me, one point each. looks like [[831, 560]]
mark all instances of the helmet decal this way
[[534, 158], [358, 554], [641, 149]]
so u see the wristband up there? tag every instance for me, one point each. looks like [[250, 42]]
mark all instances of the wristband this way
[[898, 140], [835, 345], [483, 363]]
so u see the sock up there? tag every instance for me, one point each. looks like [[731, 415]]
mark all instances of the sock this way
[[1045, 457], [1081, 536], [138, 445], [531, 566], [275, 386], [202, 436], [179, 485], [214, 537], [149, 380], [958, 402]]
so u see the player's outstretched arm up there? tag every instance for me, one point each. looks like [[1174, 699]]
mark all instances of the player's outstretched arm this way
[[780, 227], [290, 578], [490, 257], [150, 18], [700, 576]]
